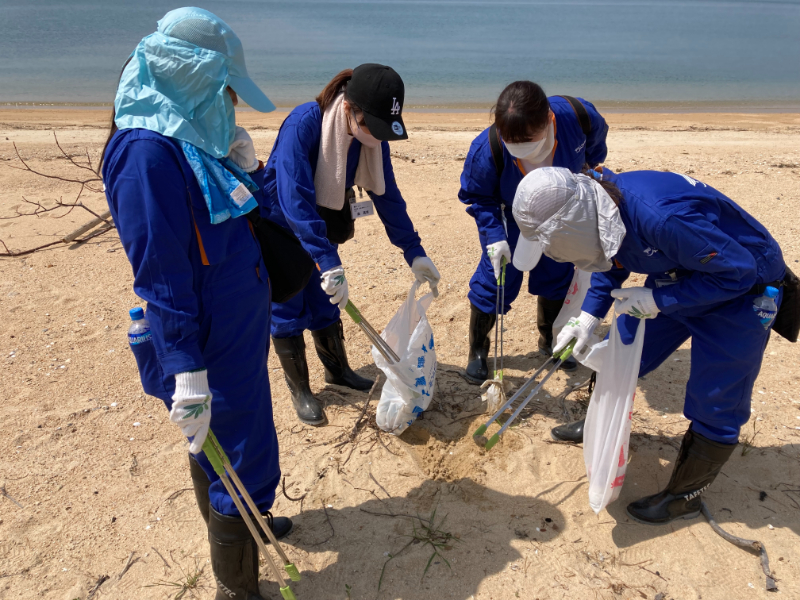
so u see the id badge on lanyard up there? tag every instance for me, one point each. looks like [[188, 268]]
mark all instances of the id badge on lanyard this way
[[365, 208]]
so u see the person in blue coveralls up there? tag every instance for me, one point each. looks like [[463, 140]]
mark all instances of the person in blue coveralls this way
[[707, 261], [179, 176], [530, 131], [323, 149]]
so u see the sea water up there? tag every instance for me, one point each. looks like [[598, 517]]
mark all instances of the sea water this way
[[450, 53]]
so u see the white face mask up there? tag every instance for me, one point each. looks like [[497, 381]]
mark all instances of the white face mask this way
[[534, 152], [362, 136]]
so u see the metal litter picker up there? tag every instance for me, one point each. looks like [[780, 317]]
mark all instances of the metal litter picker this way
[[555, 361], [222, 467], [495, 393], [374, 337]]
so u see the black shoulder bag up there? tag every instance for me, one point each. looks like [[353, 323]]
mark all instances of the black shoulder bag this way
[[339, 224], [787, 321], [288, 264]]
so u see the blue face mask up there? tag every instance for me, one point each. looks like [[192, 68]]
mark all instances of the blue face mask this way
[[179, 90]]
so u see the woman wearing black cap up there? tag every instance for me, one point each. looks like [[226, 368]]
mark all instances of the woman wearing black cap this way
[[323, 149]]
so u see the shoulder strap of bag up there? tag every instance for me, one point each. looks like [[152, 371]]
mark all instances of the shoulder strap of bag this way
[[497, 151], [581, 113]]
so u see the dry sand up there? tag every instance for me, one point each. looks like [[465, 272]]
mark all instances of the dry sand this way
[[100, 473]]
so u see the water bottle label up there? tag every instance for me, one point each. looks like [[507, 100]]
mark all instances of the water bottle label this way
[[765, 316], [139, 338]]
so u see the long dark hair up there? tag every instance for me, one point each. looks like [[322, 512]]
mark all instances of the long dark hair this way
[[521, 111], [610, 188], [112, 129], [335, 85]]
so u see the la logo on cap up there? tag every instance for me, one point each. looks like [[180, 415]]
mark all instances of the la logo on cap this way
[[395, 106]]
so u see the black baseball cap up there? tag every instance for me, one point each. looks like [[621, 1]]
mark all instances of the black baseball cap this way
[[379, 92]]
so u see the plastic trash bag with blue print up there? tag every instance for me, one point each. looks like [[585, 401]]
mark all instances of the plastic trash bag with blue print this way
[[410, 383]]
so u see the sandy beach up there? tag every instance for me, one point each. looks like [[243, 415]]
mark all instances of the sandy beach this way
[[95, 483]]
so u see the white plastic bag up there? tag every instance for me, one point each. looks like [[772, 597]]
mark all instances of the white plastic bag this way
[[581, 282], [409, 386], [591, 355], [608, 422]]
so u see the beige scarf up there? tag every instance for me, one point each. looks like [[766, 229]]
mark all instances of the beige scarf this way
[[331, 175]]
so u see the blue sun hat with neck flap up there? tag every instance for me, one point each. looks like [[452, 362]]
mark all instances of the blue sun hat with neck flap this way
[[176, 80], [176, 83]]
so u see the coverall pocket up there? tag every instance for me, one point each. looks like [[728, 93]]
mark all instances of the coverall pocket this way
[[237, 288]]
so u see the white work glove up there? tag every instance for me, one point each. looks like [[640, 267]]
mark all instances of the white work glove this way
[[636, 301], [496, 252], [191, 407], [242, 151], [335, 285], [424, 270], [580, 329]]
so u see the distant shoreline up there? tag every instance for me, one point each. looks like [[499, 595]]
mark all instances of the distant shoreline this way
[[609, 106]]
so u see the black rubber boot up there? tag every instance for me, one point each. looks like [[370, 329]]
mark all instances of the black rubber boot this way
[[569, 432], [234, 554], [546, 314], [201, 483], [698, 464], [329, 343], [480, 325], [291, 352], [280, 526], [234, 558]]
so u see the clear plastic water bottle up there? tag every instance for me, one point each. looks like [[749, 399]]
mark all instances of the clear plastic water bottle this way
[[139, 331], [765, 306], [144, 351]]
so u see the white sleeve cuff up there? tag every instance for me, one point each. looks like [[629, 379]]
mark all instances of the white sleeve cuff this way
[[191, 384]]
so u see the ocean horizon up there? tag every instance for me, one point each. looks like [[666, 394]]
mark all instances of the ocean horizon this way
[[625, 55]]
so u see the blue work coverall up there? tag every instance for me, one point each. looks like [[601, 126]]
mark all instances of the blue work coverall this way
[[485, 197], [291, 202], [208, 301], [704, 255]]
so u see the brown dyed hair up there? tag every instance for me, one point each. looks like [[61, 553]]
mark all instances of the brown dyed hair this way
[[335, 85], [113, 126], [521, 111]]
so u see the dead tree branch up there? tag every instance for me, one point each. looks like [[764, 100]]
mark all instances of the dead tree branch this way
[[89, 179]]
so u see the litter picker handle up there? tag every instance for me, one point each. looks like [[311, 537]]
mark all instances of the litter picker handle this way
[[502, 279], [567, 351], [220, 463], [354, 313], [214, 453], [384, 348]]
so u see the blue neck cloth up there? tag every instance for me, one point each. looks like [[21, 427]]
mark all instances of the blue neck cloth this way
[[227, 189], [179, 90]]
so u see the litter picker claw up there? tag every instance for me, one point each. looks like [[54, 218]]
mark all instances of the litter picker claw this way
[[553, 362], [222, 467], [374, 337], [495, 393]]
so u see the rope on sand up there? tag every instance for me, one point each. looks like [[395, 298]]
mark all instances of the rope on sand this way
[[743, 543]]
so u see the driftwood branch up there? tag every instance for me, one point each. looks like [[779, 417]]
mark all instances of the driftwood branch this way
[[92, 182], [95, 177]]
